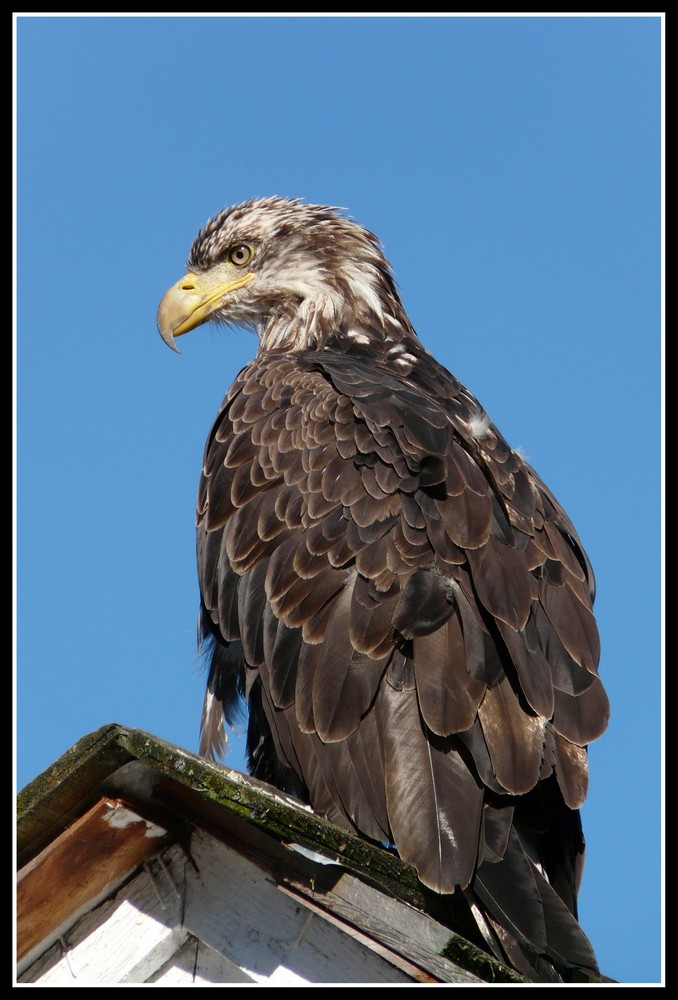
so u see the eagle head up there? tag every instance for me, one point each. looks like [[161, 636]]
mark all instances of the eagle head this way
[[297, 274]]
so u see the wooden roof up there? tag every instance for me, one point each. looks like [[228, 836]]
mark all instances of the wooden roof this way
[[122, 804]]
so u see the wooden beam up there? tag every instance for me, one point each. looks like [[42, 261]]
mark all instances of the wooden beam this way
[[95, 854]]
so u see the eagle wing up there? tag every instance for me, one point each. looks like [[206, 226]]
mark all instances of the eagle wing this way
[[407, 610]]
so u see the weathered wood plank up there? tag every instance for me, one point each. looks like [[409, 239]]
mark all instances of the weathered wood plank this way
[[237, 922], [236, 909], [196, 964], [86, 862], [259, 821], [123, 940], [64, 790], [439, 951], [414, 972], [398, 927]]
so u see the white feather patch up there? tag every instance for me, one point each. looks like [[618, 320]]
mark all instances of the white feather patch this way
[[479, 424], [357, 337]]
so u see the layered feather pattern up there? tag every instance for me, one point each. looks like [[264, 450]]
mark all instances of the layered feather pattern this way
[[406, 605], [392, 596]]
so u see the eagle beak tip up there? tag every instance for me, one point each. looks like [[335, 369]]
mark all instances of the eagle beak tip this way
[[168, 339], [170, 343], [166, 331]]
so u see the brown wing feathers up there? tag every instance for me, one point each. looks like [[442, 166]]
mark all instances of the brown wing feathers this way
[[391, 579]]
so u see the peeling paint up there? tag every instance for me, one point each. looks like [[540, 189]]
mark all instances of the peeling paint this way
[[119, 817]]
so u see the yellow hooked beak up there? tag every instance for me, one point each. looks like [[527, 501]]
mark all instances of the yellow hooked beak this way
[[192, 301]]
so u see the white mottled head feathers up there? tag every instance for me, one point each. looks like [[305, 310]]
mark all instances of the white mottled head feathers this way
[[317, 273]]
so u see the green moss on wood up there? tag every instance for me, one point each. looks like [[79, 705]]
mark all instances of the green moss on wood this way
[[52, 801], [461, 952], [277, 814]]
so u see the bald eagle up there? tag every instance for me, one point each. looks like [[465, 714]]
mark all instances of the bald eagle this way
[[402, 603]]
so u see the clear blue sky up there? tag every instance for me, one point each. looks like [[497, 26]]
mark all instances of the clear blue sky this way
[[511, 167]]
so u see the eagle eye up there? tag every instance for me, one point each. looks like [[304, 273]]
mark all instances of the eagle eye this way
[[240, 254]]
